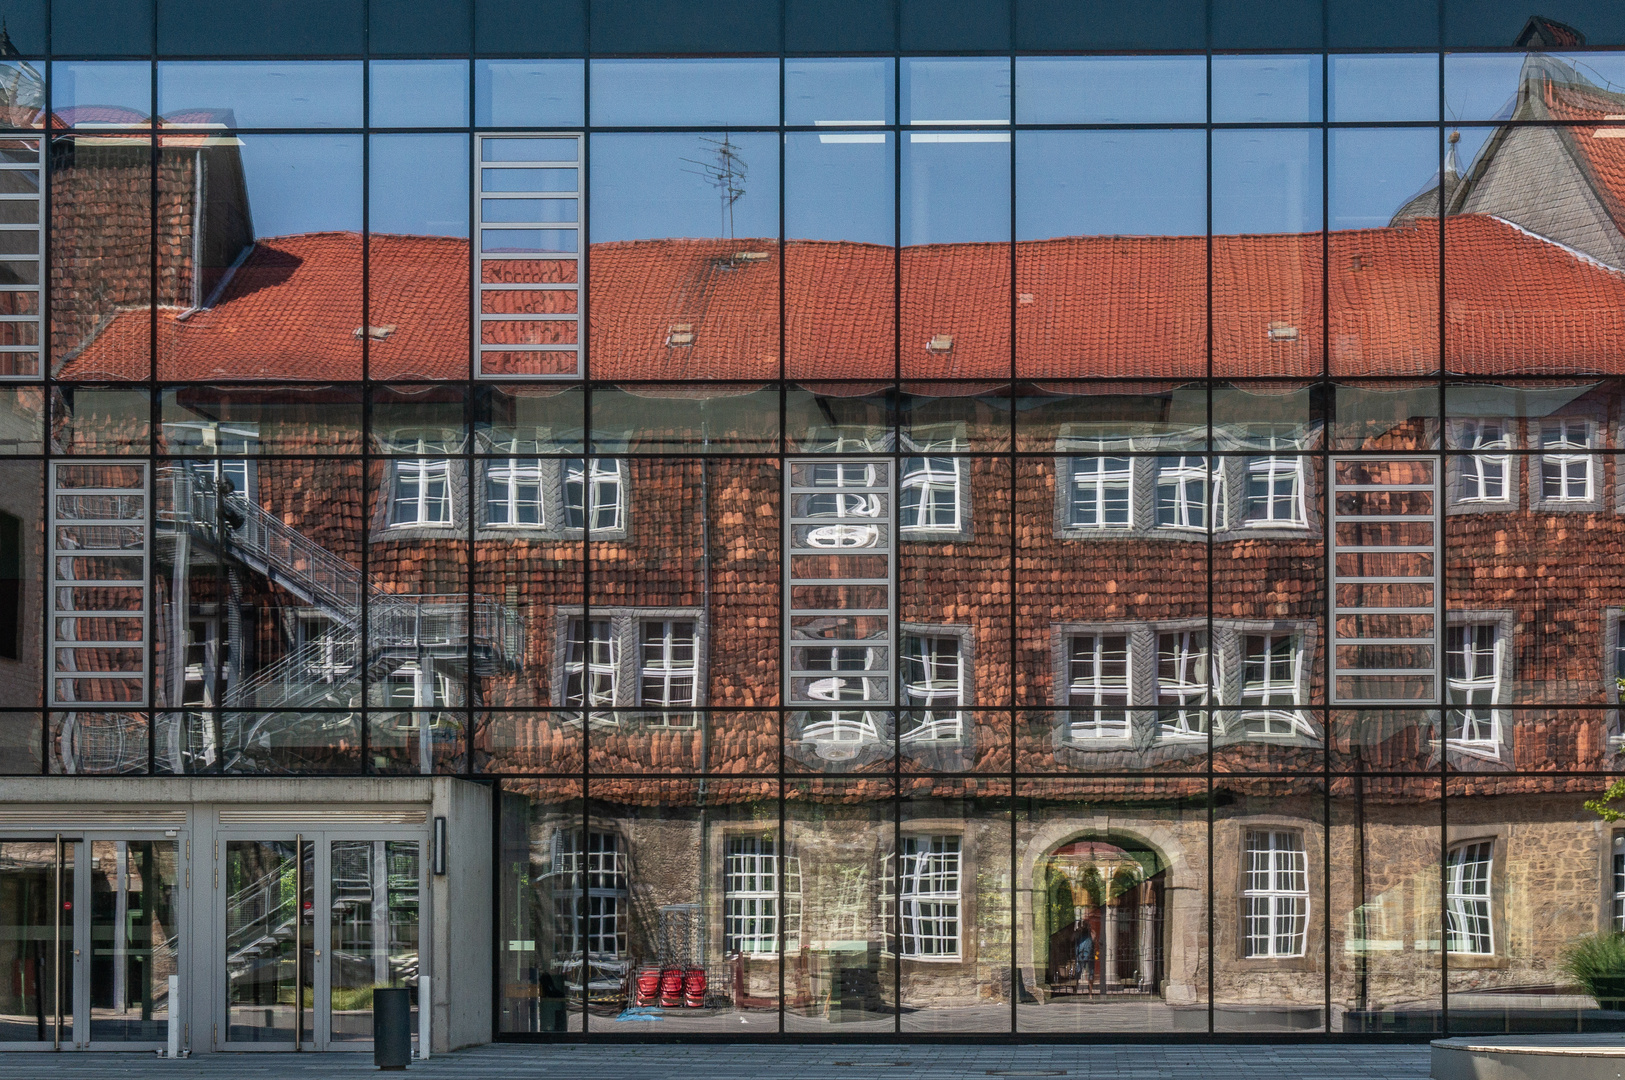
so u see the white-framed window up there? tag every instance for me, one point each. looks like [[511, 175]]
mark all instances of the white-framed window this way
[[1565, 463], [1271, 674], [750, 895], [928, 495], [928, 897], [1484, 475], [410, 687], [933, 688], [1098, 686], [1275, 491], [1183, 683], [1275, 896], [1102, 493], [421, 493], [1467, 898], [593, 494], [1190, 493], [513, 493], [592, 663], [1473, 682], [668, 675], [590, 894]]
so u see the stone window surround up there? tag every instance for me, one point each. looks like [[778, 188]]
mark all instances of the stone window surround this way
[[1453, 471], [1227, 660], [966, 636], [1535, 456], [1228, 457], [1495, 834], [1504, 622], [1312, 836], [626, 624], [552, 482], [968, 940]]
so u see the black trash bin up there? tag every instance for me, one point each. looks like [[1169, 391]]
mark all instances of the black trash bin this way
[[392, 1027]]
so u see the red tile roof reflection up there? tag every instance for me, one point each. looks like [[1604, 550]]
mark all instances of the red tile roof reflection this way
[[1086, 307], [1599, 148]]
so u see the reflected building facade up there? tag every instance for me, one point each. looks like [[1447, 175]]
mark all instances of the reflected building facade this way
[[980, 538]]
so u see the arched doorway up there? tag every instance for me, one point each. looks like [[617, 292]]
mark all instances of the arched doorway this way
[[1104, 917]]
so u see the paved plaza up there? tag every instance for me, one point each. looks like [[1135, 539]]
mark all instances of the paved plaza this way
[[765, 1062]]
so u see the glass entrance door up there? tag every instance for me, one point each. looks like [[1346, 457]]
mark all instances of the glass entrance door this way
[[296, 979], [89, 936], [37, 955]]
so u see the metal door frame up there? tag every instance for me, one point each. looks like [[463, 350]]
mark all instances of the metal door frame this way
[[76, 1036], [315, 1023]]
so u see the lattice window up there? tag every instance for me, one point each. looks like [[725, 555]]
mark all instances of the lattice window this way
[[928, 495], [1275, 896], [1467, 898], [1619, 888], [591, 667], [421, 493], [1098, 686], [669, 675], [1565, 464], [1272, 670], [1275, 491], [933, 688], [751, 896], [1102, 492], [590, 894], [594, 493], [1183, 683], [1190, 493], [1473, 682], [928, 897], [513, 493], [1483, 475]]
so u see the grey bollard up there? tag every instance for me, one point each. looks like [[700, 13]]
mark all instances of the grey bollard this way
[[391, 1028]]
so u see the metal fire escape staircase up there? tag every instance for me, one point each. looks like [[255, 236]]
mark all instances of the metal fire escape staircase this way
[[326, 672]]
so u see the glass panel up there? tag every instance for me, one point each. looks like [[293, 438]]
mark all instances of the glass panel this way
[[1084, 303], [225, 421], [1269, 947], [264, 913], [22, 592], [1266, 89], [1528, 86], [1384, 87], [418, 93], [30, 1000], [956, 92], [952, 934], [708, 203], [1114, 891], [373, 928], [839, 977], [1267, 217], [260, 93], [839, 218], [1384, 251], [540, 924], [418, 254], [955, 266], [528, 93], [277, 287], [134, 938], [845, 92], [685, 93], [101, 93], [704, 864], [102, 254], [1111, 90]]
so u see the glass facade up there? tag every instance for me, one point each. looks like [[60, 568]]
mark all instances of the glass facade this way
[[955, 522]]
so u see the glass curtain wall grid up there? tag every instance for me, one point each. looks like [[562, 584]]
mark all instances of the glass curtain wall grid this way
[[1008, 641]]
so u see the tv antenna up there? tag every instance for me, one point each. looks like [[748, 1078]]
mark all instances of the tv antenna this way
[[725, 170]]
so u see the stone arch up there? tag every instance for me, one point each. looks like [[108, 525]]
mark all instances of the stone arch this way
[[1186, 889]]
